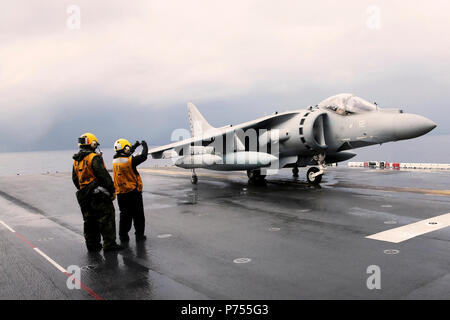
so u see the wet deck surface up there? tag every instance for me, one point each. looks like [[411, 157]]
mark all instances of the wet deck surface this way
[[299, 242]]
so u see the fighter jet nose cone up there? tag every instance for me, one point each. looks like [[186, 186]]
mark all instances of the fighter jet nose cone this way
[[425, 125], [432, 125], [413, 125]]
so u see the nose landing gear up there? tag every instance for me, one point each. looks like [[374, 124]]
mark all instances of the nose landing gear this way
[[314, 174]]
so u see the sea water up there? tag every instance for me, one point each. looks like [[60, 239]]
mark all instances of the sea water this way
[[429, 149], [45, 162]]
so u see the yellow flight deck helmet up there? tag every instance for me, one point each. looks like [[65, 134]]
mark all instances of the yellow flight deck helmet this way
[[121, 144], [88, 139]]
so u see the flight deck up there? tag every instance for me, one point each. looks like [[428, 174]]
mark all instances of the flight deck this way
[[226, 238]]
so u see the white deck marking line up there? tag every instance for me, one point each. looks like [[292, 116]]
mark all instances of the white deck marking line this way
[[57, 266], [7, 227], [412, 230], [53, 262]]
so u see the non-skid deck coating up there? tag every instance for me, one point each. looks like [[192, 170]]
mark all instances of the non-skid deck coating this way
[[227, 239]]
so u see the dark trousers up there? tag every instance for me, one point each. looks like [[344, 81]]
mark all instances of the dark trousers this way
[[131, 211], [99, 221]]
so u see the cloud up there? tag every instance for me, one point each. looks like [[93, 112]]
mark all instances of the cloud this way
[[155, 55]]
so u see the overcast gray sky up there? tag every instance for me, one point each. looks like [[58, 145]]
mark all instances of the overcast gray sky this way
[[132, 66]]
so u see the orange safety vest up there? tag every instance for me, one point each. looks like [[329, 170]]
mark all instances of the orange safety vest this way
[[125, 179], [84, 170]]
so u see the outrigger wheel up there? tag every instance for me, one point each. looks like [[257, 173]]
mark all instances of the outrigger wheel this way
[[194, 178], [310, 175], [255, 175]]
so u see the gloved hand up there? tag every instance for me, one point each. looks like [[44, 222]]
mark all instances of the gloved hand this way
[[134, 146]]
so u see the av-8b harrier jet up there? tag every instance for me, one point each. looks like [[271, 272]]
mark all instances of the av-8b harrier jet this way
[[314, 137]]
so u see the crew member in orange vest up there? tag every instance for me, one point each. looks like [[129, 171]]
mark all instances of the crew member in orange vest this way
[[128, 184], [95, 195]]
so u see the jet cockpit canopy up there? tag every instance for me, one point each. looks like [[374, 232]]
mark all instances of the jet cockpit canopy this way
[[346, 104]]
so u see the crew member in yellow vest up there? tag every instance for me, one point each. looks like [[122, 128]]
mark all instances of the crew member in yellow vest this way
[[128, 184], [95, 195]]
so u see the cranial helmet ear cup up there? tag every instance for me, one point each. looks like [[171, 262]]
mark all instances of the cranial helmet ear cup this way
[[121, 145]]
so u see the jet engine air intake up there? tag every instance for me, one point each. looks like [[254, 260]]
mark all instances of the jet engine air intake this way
[[312, 130]]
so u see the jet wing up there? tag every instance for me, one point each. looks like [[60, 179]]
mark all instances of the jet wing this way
[[266, 122]]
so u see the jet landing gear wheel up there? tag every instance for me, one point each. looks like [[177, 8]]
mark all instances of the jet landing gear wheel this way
[[310, 176], [194, 178], [295, 172], [255, 176]]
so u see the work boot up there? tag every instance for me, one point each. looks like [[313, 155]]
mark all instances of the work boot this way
[[124, 239], [141, 238], [114, 247], [94, 248]]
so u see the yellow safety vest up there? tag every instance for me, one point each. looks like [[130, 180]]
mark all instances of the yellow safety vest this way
[[84, 170], [125, 179]]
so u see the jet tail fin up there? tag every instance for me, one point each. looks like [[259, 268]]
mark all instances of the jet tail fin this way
[[197, 122]]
